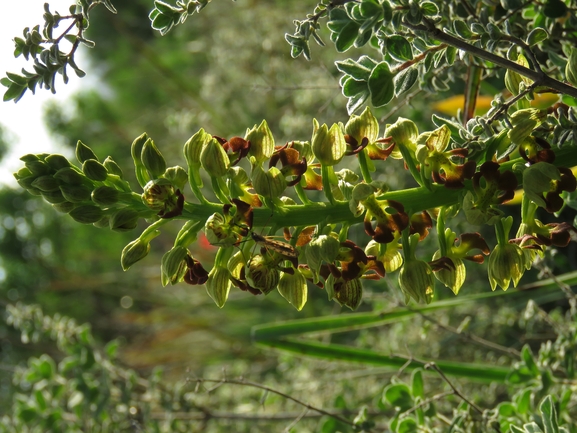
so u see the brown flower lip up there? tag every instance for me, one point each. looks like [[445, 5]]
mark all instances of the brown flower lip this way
[[291, 165]]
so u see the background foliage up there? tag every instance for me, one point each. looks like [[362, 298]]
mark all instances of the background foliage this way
[[202, 74]]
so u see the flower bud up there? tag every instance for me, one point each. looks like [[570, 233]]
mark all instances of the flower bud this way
[[124, 220], [293, 287], [94, 170], [404, 133], [363, 126], [347, 293], [391, 258], [329, 145], [53, 197], [75, 193], [506, 263], [323, 248], [269, 183], [260, 276], [417, 281], [177, 176], [56, 162], [454, 277], [538, 179], [112, 167], [84, 153], [362, 191], [214, 159], [37, 168], [152, 159], [218, 285], [134, 252], [102, 222], [105, 196], [158, 194], [136, 151], [29, 157], [70, 176], [174, 265], [218, 231], [86, 214], [64, 207], [193, 147], [46, 183], [261, 142]]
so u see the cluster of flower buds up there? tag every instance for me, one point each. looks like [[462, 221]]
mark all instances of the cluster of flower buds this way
[[249, 177]]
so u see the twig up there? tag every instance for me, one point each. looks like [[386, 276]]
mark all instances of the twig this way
[[295, 421], [432, 365], [539, 78], [507, 104], [426, 402], [274, 391], [471, 337]]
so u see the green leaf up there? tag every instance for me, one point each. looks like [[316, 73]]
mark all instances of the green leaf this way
[[370, 8], [353, 87], [407, 425], [529, 361], [14, 92], [165, 8], [450, 55], [404, 80], [398, 396], [18, 79], [399, 48], [547, 408], [346, 38], [429, 8], [381, 85], [537, 35], [162, 23], [359, 70], [418, 384], [363, 38], [555, 9], [355, 102], [462, 29]]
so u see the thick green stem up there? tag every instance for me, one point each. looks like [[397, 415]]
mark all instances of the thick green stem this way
[[363, 164], [441, 232], [500, 232], [413, 199], [326, 173]]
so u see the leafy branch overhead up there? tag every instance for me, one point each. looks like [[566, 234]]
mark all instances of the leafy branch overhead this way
[[465, 168], [43, 47]]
